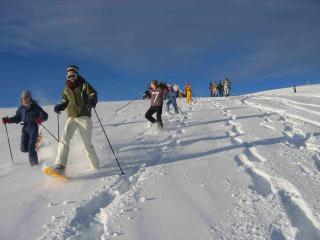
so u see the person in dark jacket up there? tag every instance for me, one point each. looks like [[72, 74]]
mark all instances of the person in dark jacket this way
[[172, 96], [220, 89], [211, 90], [32, 115], [157, 96]]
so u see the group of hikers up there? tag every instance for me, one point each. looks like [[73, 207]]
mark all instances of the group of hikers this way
[[79, 98], [158, 93], [220, 89]]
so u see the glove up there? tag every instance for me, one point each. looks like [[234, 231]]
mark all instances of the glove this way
[[92, 103], [6, 120], [57, 108], [39, 120]]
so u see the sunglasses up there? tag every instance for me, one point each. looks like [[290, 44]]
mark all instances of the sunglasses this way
[[72, 76]]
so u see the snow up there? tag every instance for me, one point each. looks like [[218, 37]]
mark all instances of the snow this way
[[246, 167]]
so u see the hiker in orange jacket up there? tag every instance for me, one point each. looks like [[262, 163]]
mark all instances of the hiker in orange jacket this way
[[188, 93]]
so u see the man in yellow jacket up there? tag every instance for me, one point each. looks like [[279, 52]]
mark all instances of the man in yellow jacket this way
[[189, 93]]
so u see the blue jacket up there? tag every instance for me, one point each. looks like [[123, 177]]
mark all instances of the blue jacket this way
[[29, 114], [172, 95]]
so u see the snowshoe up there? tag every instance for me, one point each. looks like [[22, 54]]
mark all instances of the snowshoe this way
[[56, 171]]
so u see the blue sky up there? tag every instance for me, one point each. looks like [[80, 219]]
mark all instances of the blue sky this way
[[121, 45]]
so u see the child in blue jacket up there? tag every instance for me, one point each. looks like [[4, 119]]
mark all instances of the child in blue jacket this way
[[32, 115], [172, 96]]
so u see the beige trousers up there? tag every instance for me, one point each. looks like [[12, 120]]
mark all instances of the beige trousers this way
[[84, 125]]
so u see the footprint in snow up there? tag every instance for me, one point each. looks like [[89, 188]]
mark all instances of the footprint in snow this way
[[144, 199], [281, 118], [53, 204], [238, 140]]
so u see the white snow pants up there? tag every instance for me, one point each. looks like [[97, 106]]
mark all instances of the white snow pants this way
[[84, 125]]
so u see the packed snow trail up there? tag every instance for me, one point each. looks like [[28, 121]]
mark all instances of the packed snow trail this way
[[245, 167]]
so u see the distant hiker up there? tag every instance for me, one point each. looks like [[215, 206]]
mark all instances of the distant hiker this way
[[178, 92], [294, 89], [226, 87], [157, 96], [220, 89], [211, 90], [32, 115], [172, 96], [214, 89], [79, 97], [188, 91]]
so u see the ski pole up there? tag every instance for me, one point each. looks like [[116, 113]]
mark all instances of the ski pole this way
[[196, 100], [58, 119], [9, 142], [55, 138], [104, 131], [127, 104], [179, 108], [181, 112]]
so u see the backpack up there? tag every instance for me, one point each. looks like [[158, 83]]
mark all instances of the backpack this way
[[163, 85]]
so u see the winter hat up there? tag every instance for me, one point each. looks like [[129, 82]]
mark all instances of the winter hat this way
[[26, 94], [73, 68]]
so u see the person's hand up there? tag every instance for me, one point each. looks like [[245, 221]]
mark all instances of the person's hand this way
[[6, 120], [57, 108], [39, 120], [92, 103]]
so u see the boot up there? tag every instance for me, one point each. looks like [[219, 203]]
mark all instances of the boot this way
[[33, 159], [59, 168], [33, 163], [160, 124]]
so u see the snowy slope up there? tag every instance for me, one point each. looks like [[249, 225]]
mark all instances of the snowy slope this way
[[247, 167]]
